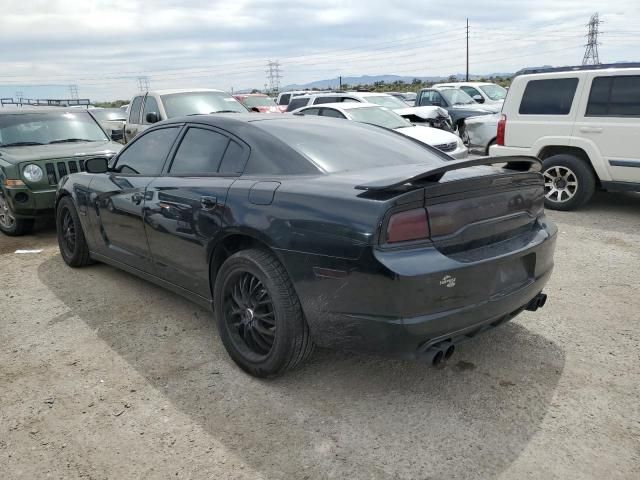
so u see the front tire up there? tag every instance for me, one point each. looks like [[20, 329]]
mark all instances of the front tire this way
[[71, 241], [259, 316], [569, 182], [9, 224]]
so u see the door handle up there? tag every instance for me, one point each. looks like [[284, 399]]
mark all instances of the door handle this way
[[136, 198], [591, 129], [208, 203]]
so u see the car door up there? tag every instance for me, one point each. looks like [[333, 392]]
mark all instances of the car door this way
[[118, 198], [133, 122], [609, 121], [185, 207]]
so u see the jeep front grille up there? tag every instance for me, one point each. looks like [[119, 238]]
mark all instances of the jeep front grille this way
[[55, 171]]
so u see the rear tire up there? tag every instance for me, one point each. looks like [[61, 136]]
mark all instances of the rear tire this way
[[259, 316], [71, 241], [569, 182], [9, 224]]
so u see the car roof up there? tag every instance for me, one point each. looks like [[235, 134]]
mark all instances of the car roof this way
[[26, 110], [343, 105], [171, 91]]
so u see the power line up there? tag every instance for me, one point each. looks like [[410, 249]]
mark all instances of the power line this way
[[591, 53]]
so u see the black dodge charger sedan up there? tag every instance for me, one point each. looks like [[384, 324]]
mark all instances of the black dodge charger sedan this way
[[302, 231]]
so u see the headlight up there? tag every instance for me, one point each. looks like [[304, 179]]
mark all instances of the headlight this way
[[33, 173]]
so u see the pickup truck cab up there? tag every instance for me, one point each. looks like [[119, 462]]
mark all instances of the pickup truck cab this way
[[148, 108], [582, 122]]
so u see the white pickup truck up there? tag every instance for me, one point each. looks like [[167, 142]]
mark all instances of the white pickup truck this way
[[148, 108]]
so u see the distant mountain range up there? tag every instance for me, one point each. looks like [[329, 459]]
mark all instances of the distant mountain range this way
[[371, 79]]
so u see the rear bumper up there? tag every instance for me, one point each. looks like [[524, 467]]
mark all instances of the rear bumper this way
[[502, 151], [27, 203], [414, 300]]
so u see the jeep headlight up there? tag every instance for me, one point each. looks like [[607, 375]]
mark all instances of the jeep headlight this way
[[33, 173]]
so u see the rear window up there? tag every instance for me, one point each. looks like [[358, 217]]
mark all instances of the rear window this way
[[192, 103], [297, 103], [345, 146], [284, 99], [614, 96], [548, 97], [134, 110]]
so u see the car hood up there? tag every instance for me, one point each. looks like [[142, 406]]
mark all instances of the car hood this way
[[480, 108], [428, 135], [426, 112], [61, 150]]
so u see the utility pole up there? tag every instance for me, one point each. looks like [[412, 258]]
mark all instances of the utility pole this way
[[73, 92], [591, 56], [467, 76], [340, 82], [273, 76], [143, 84]]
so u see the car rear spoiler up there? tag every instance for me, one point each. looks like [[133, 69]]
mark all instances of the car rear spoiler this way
[[519, 163]]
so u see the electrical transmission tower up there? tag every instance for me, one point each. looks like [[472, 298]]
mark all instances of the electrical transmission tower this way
[[591, 53], [273, 76], [73, 91], [19, 94], [143, 84]]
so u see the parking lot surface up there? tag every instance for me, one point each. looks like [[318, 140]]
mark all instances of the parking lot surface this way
[[103, 375]]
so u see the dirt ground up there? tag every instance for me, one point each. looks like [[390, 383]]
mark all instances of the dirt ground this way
[[103, 375]]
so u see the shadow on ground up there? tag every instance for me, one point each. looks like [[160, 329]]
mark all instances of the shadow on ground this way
[[43, 232], [341, 415]]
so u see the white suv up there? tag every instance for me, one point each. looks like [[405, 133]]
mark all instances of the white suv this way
[[582, 122]]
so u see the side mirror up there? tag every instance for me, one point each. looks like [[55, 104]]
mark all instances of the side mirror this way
[[96, 165], [255, 109], [478, 98], [152, 117]]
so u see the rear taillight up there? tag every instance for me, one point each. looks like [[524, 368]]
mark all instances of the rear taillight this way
[[502, 125], [407, 226]]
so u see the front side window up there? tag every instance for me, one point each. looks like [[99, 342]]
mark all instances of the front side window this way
[[431, 97], [49, 128], [455, 96], [494, 92], [615, 97], [150, 105], [147, 153], [548, 97], [134, 110], [470, 91], [194, 103], [200, 151]]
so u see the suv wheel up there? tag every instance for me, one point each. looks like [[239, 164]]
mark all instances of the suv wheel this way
[[9, 224], [569, 183], [259, 316]]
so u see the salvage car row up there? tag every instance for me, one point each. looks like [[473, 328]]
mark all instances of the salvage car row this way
[[340, 225]]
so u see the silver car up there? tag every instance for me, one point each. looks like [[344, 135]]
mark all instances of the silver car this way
[[481, 131]]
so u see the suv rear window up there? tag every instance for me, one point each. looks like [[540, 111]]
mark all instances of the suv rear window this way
[[296, 103], [614, 96], [548, 97]]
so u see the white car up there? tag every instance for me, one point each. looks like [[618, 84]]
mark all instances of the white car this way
[[481, 131], [582, 122], [284, 98], [481, 92], [446, 142], [433, 115]]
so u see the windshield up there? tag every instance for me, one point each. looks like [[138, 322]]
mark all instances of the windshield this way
[[455, 96], [494, 92], [385, 101], [191, 103], [378, 116], [44, 128], [258, 102], [107, 114], [330, 144]]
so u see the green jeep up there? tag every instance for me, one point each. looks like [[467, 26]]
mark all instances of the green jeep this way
[[39, 146]]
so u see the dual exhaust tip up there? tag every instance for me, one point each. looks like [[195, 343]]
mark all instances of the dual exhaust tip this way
[[537, 302], [438, 353]]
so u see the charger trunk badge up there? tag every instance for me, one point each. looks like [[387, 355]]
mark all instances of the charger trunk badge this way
[[448, 281]]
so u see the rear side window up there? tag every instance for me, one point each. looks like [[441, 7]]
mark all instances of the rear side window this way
[[200, 151], [548, 97], [234, 159], [147, 153], [312, 111], [614, 96], [330, 112], [134, 110]]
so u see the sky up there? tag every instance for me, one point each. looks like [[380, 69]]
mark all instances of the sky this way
[[103, 46]]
